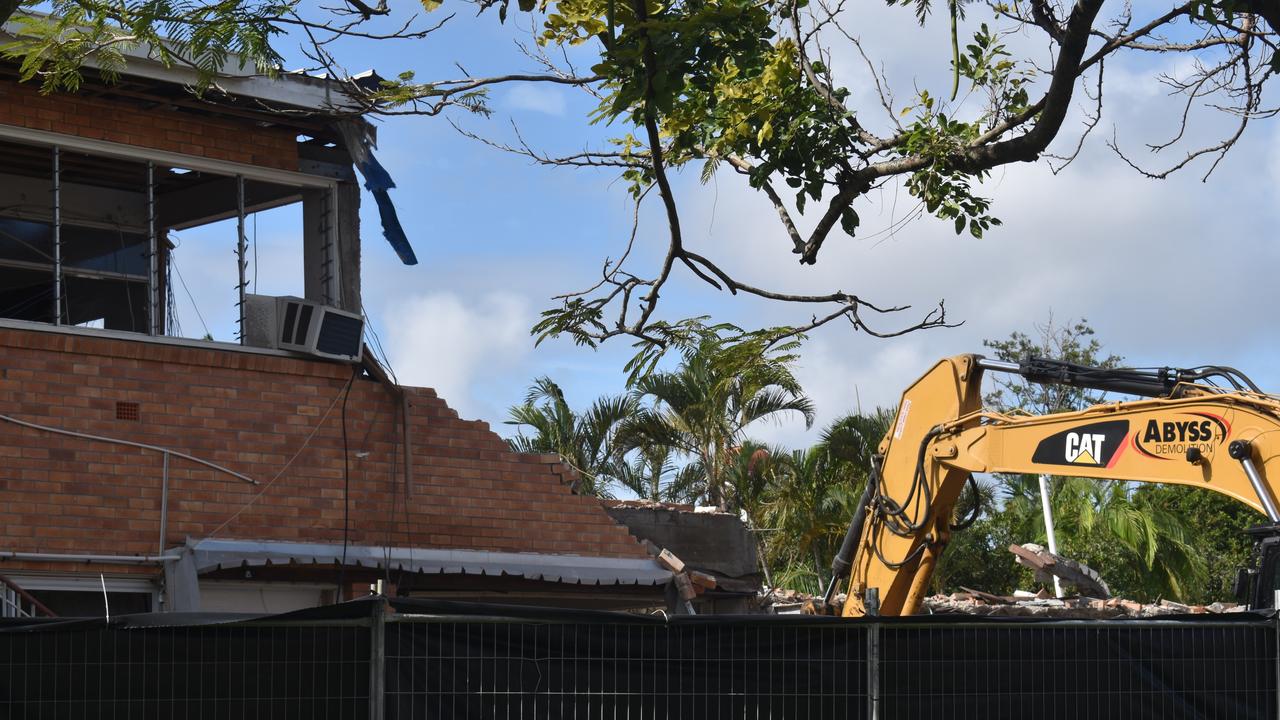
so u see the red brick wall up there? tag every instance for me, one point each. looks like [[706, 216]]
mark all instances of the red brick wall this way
[[233, 139], [252, 413]]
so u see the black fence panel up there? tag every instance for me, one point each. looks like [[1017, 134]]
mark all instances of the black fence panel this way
[[408, 660], [237, 671], [1130, 670], [741, 669]]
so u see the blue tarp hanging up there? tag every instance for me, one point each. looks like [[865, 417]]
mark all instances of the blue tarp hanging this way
[[377, 181]]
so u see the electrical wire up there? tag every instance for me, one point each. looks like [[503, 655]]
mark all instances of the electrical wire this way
[[267, 485], [187, 290], [379, 353], [173, 325], [346, 483]]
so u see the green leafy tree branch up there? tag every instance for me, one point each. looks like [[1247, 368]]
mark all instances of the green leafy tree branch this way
[[745, 85]]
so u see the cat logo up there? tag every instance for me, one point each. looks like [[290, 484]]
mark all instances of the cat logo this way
[[1097, 444], [1084, 448]]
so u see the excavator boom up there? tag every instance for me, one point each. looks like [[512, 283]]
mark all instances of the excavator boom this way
[[1184, 432]]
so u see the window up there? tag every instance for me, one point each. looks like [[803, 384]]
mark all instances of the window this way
[[81, 595], [93, 241]]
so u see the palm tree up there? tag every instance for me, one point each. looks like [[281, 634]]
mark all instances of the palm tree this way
[[855, 438], [585, 441], [701, 410], [815, 494], [652, 474], [751, 472]]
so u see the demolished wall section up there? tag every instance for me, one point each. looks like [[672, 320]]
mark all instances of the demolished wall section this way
[[253, 413]]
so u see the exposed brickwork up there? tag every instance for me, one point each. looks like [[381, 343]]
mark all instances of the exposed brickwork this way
[[252, 413], [174, 130]]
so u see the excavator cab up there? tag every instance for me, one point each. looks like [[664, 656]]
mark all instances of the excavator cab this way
[[1257, 586]]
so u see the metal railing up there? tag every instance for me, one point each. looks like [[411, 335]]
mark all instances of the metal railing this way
[[16, 602]]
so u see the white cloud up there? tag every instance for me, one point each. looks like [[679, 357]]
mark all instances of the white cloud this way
[[1169, 272], [538, 98], [454, 345]]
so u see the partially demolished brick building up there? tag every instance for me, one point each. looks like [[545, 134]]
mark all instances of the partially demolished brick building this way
[[280, 472]]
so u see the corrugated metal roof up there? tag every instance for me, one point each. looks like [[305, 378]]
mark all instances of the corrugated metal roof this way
[[213, 554]]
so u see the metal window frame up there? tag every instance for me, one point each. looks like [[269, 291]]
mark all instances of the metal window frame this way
[[71, 582], [58, 142]]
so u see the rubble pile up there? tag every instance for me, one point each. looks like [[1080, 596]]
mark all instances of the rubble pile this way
[[782, 601], [974, 603]]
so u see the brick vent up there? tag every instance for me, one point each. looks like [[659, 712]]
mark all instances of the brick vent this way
[[127, 411]]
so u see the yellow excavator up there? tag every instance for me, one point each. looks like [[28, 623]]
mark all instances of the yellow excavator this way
[[1207, 427]]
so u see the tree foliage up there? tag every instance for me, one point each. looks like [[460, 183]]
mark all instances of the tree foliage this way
[[814, 494], [586, 441], [703, 408], [681, 435], [746, 85]]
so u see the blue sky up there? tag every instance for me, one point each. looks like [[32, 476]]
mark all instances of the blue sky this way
[[1176, 272]]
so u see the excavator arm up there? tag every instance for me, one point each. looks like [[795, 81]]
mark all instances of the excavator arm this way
[[1184, 432]]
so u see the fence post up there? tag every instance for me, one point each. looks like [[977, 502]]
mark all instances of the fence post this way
[[873, 671], [378, 660]]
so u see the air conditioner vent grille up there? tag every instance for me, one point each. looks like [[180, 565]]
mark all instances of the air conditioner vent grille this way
[[340, 335], [304, 325], [290, 317]]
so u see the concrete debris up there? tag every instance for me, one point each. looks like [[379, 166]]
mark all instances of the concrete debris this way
[[647, 505], [1047, 565], [781, 601], [1025, 604], [969, 603]]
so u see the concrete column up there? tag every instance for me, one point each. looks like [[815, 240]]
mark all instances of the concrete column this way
[[349, 246], [321, 226], [315, 253]]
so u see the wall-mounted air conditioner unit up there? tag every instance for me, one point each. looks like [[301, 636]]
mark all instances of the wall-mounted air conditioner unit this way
[[291, 323]]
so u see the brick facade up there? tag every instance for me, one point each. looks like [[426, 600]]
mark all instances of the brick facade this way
[[158, 128], [252, 413]]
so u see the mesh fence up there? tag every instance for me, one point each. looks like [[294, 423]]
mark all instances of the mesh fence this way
[[621, 670], [432, 661], [1125, 669], [186, 672]]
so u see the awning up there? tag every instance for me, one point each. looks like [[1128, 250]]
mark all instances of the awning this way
[[212, 554]]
